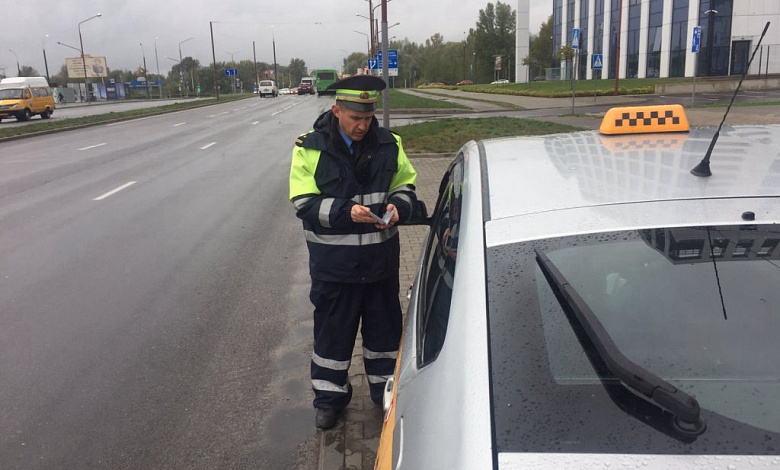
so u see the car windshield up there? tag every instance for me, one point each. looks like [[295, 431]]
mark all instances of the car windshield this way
[[11, 94], [695, 306]]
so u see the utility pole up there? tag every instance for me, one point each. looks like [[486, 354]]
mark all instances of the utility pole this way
[[254, 58], [617, 48], [385, 70], [214, 60], [146, 75]]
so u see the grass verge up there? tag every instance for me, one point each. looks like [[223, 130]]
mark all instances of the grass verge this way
[[400, 100], [448, 135], [55, 125]]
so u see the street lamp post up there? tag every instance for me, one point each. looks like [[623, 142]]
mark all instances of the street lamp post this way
[[45, 63], [368, 46], [371, 26], [146, 77], [182, 83], [617, 48], [83, 60], [156, 60], [18, 68], [385, 69], [273, 42]]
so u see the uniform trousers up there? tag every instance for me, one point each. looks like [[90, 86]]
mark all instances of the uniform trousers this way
[[339, 308]]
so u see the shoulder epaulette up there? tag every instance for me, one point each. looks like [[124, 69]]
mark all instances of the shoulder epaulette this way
[[302, 138]]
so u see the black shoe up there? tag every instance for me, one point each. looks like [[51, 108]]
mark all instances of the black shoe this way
[[326, 418]]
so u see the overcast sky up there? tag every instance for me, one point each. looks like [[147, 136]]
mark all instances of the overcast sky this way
[[318, 31]]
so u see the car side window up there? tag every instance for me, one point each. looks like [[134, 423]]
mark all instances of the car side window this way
[[439, 266]]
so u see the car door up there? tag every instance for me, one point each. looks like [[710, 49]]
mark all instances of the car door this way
[[442, 414]]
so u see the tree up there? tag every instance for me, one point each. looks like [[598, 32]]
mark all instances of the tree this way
[[566, 53], [495, 37], [354, 62], [297, 70], [540, 50], [27, 71]]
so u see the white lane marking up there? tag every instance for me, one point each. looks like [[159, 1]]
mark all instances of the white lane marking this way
[[93, 146], [255, 122], [179, 124], [285, 108], [122, 123], [207, 146], [114, 191], [219, 114]]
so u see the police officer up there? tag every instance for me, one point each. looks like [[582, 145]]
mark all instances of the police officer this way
[[345, 174]]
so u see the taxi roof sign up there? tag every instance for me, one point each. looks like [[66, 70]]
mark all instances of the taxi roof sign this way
[[645, 119]]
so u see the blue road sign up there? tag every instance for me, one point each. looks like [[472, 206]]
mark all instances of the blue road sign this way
[[392, 58], [372, 64], [229, 72], [598, 61], [392, 62], [696, 43], [575, 38]]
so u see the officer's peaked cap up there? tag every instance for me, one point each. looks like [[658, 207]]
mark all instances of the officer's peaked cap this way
[[358, 92]]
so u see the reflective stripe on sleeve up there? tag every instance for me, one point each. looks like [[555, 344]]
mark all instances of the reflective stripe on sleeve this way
[[299, 203], [325, 207], [403, 187], [371, 198]]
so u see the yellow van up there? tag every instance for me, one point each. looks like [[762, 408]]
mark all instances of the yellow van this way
[[25, 97]]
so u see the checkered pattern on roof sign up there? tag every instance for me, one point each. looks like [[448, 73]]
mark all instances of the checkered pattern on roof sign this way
[[645, 119]]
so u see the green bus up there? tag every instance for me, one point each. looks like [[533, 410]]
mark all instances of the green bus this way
[[323, 78]]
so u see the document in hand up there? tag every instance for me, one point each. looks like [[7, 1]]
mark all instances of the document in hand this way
[[385, 219]]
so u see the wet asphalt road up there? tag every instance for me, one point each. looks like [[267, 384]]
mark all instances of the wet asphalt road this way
[[153, 294]]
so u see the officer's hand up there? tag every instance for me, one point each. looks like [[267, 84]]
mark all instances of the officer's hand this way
[[361, 214]]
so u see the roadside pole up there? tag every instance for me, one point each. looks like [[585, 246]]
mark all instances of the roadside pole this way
[[695, 45], [575, 44], [597, 65]]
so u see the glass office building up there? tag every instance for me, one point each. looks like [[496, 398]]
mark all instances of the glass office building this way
[[654, 38]]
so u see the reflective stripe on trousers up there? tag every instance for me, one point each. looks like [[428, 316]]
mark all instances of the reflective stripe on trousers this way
[[338, 310]]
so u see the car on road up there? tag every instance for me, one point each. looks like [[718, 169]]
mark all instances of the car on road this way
[[306, 87], [595, 300], [268, 88], [25, 97], [502, 81], [465, 82]]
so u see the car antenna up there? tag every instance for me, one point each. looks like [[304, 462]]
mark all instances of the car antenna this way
[[703, 168]]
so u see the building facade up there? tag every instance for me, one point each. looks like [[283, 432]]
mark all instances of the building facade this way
[[654, 38]]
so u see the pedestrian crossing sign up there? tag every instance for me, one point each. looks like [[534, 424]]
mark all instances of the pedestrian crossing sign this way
[[598, 61]]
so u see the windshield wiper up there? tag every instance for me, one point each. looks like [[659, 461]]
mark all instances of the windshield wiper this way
[[684, 408]]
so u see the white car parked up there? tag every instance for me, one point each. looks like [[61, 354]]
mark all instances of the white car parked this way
[[585, 300]]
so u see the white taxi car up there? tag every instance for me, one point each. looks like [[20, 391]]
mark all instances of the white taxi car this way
[[585, 301]]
